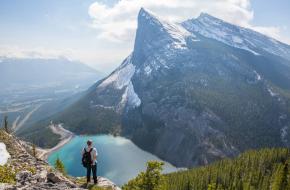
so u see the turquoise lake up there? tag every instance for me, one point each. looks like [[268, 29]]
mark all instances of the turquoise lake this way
[[119, 159]]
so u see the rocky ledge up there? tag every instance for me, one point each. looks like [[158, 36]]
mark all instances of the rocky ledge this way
[[30, 173]]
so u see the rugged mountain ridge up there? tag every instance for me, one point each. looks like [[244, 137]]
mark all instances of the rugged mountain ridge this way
[[193, 92], [235, 36]]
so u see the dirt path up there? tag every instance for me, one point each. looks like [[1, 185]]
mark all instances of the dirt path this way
[[66, 136]]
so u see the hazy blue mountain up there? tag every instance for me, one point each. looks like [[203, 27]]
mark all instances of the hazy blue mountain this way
[[32, 89], [26, 73], [191, 93]]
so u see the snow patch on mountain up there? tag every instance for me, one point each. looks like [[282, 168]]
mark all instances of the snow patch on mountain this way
[[4, 155], [148, 70], [102, 106], [176, 32], [237, 39], [235, 36], [122, 76], [271, 92], [284, 133], [213, 28], [258, 76], [130, 97]]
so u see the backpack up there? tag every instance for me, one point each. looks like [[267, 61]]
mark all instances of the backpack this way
[[87, 158]]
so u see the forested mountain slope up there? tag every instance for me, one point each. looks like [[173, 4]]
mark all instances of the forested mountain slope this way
[[261, 170]]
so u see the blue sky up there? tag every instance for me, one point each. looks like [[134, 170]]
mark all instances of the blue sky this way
[[273, 13], [90, 31]]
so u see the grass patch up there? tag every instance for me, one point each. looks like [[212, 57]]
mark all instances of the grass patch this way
[[7, 175], [93, 187]]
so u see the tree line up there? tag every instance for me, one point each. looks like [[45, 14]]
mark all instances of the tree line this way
[[266, 169]]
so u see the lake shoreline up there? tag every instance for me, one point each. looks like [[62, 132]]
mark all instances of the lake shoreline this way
[[114, 155], [65, 137]]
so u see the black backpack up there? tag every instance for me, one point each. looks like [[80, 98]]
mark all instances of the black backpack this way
[[87, 158]]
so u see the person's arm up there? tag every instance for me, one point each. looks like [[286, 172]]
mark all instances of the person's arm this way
[[83, 151], [94, 156]]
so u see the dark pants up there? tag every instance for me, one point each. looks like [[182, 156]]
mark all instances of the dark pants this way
[[94, 169]]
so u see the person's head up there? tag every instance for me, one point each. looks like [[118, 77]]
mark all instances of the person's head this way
[[89, 142]]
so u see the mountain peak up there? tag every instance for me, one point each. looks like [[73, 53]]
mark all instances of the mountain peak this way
[[204, 14], [154, 32], [145, 12], [146, 16], [205, 17]]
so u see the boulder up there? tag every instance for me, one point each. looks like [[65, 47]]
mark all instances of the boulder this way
[[58, 178], [54, 178], [103, 182], [41, 176]]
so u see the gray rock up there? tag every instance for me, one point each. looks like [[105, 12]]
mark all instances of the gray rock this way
[[54, 178], [42, 176], [105, 183], [4, 186], [23, 177]]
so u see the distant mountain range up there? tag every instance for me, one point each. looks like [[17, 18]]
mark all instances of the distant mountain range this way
[[191, 93], [33, 89], [42, 73]]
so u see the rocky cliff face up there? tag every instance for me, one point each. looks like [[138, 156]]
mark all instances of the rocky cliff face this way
[[23, 171], [193, 92]]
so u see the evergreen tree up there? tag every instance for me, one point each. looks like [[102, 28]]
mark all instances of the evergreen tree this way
[[151, 179], [6, 128], [288, 175], [277, 178], [59, 166], [189, 186], [34, 152]]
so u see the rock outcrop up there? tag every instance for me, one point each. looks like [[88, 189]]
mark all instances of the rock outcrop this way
[[31, 173]]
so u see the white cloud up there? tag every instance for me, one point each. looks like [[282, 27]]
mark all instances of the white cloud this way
[[119, 22], [38, 52], [100, 59], [272, 31]]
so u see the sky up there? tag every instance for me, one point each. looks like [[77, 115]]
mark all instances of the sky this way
[[100, 33]]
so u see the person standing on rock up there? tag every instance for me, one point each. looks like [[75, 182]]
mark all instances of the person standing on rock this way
[[89, 161]]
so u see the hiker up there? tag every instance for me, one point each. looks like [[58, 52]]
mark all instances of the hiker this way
[[89, 161]]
